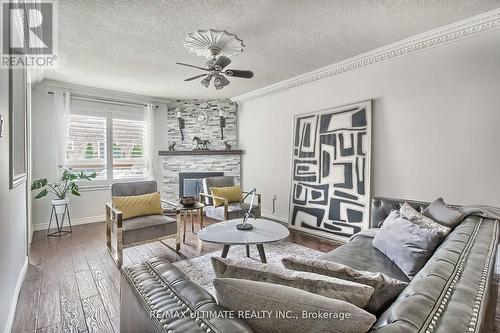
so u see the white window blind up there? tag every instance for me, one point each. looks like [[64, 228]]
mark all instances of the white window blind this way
[[86, 149], [107, 139], [129, 158]]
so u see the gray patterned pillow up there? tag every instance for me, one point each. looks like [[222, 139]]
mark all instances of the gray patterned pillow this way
[[386, 288], [305, 311], [443, 214], [414, 216], [352, 292]]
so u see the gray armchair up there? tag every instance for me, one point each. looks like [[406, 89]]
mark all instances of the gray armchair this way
[[136, 230], [228, 211]]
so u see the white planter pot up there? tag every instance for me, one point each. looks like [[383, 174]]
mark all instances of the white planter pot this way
[[59, 205]]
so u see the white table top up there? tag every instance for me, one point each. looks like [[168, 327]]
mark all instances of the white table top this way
[[264, 231]]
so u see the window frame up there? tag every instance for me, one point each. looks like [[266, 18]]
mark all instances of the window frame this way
[[109, 115]]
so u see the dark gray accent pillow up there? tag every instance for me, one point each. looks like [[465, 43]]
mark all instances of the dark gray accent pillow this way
[[407, 244], [386, 288], [352, 292], [443, 214], [285, 309]]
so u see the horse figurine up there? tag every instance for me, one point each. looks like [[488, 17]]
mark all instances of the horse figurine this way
[[228, 145], [198, 142], [171, 146], [201, 144]]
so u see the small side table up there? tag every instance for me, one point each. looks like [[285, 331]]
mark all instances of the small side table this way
[[181, 208], [57, 205]]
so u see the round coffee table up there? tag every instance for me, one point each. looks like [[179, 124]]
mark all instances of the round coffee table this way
[[225, 233]]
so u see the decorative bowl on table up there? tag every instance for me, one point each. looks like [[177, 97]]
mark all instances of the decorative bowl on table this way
[[188, 201]]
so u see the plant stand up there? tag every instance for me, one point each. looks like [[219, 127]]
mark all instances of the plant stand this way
[[60, 230]]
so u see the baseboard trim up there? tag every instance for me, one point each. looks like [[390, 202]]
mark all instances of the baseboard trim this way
[[13, 304], [271, 216], [85, 220]]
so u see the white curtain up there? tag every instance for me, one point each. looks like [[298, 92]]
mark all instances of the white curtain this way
[[149, 116], [61, 109]]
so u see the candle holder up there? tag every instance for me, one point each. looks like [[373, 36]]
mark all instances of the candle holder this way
[[182, 124]]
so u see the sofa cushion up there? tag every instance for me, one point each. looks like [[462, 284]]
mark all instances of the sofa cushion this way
[[142, 228], [302, 308], [359, 254], [407, 244], [411, 214], [233, 209], [386, 289], [352, 292], [440, 212], [138, 205]]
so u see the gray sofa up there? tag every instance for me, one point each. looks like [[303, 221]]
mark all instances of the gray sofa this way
[[454, 291]]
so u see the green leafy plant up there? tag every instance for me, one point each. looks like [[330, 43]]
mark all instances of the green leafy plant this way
[[89, 152], [137, 151], [66, 184]]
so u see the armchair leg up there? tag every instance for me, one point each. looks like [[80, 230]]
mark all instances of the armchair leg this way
[[119, 248]]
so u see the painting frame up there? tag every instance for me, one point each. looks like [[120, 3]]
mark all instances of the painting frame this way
[[18, 119], [341, 216]]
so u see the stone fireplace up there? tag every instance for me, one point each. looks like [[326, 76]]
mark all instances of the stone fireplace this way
[[184, 168]]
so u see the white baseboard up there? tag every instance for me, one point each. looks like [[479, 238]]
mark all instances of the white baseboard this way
[[276, 217], [85, 220], [13, 304]]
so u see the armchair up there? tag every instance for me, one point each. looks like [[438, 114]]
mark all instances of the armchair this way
[[228, 211], [136, 230]]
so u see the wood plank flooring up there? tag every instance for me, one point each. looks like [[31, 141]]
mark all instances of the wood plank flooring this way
[[73, 284]]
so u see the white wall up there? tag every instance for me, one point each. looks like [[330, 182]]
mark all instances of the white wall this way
[[436, 121], [13, 227]]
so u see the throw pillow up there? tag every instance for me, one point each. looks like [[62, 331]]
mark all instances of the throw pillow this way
[[407, 244], [285, 309], [386, 288], [231, 193], [352, 292], [138, 205], [440, 212], [414, 216]]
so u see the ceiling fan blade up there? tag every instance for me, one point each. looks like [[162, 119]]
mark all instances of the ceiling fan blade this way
[[222, 61], [183, 64], [239, 73], [196, 77]]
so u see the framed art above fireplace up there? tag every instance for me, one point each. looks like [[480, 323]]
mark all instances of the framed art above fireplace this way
[[330, 186]]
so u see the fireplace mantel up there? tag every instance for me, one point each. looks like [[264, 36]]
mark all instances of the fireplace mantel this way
[[199, 152]]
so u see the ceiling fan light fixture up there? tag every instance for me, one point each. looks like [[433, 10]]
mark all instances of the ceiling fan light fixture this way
[[206, 81]]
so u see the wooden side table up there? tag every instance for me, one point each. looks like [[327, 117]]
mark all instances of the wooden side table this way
[[181, 208]]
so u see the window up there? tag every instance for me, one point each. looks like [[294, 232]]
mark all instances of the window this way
[[86, 144], [129, 159], [108, 142]]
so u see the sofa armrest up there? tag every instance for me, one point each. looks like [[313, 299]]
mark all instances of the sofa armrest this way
[[204, 196], [114, 215], [259, 196]]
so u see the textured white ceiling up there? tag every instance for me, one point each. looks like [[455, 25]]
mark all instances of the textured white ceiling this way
[[132, 46]]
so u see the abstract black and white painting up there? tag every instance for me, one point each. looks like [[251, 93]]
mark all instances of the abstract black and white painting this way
[[331, 171]]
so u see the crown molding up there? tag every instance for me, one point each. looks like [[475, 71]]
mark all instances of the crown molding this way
[[470, 27]]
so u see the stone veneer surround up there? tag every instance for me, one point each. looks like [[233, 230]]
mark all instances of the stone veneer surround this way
[[173, 165]]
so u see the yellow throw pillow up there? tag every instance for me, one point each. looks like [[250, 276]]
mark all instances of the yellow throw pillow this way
[[231, 193], [138, 205]]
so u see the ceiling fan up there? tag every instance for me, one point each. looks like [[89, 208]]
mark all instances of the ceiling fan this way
[[216, 45], [215, 69]]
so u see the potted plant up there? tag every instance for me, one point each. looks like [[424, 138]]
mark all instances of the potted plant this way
[[60, 189]]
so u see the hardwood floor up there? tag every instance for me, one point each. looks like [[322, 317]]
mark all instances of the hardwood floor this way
[[72, 283]]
